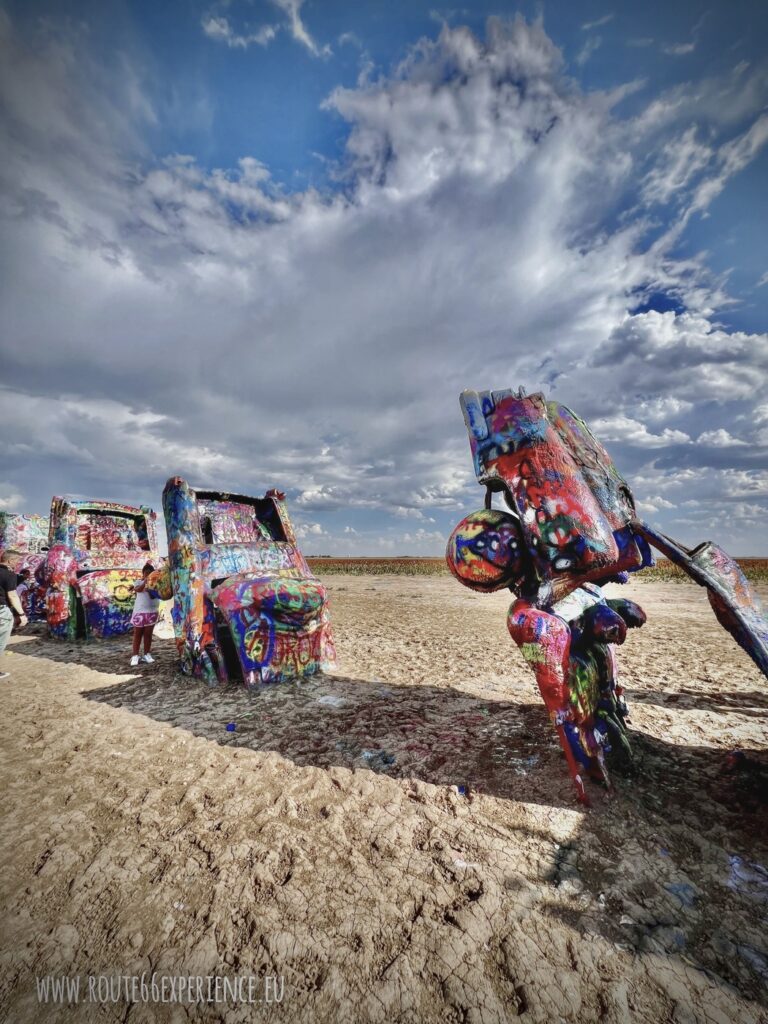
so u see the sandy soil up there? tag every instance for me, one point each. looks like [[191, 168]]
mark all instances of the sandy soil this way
[[327, 839]]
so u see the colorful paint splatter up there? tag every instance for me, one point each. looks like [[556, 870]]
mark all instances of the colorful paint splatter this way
[[245, 601], [24, 539], [486, 552], [574, 509], [98, 549], [571, 525]]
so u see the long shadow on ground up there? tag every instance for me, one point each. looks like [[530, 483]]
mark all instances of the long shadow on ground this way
[[443, 736], [751, 704], [658, 895]]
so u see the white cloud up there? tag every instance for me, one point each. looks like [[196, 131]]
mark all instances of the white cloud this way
[[401, 512], [103, 432], [678, 49], [218, 28], [719, 438], [680, 160], [487, 234], [687, 356], [622, 428], [320, 498], [11, 500], [590, 46], [655, 503], [311, 530], [298, 29], [745, 510], [424, 539], [661, 408], [732, 157], [598, 22], [683, 49], [720, 486]]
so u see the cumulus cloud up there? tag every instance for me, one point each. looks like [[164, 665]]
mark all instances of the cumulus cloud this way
[[655, 503], [663, 407], [489, 228], [312, 530], [400, 512], [719, 438], [623, 428], [685, 355]]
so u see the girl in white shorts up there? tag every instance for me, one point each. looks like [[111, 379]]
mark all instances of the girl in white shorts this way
[[145, 612]]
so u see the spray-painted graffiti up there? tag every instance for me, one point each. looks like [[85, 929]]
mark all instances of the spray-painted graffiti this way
[[98, 549], [24, 540], [108, 598], [245, 600], [570, 527], [26, 534]]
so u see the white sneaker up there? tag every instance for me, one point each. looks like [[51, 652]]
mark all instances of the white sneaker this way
[[135, 660], [148, 659]]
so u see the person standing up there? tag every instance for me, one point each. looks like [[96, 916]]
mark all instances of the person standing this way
[[22, 587], [145, 612], [11, 611]]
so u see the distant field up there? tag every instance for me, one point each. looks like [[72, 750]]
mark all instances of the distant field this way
[[755, 569], [379, 566]]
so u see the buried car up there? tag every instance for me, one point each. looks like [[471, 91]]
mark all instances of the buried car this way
[[96, 555], [569, 527], [245, 601], [24, 539]]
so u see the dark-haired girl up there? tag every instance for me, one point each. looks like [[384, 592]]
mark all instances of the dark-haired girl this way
[[145, 612]]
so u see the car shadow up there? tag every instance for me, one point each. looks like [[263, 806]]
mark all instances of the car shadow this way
[[750, 704], [502, 748], [440, 735]]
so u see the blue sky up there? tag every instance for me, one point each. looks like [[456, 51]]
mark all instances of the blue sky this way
[[267, 243]]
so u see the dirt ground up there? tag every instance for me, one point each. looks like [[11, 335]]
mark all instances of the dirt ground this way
[[397, 842]]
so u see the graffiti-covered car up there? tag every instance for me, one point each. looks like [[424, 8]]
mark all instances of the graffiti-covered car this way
[[246, 604], [569, 527], [24, 539], [97, 551]]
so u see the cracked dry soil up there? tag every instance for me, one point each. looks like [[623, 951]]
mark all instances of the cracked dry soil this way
[[399, 840]]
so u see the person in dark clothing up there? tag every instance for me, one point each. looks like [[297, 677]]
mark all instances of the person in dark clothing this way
[[10, 608]]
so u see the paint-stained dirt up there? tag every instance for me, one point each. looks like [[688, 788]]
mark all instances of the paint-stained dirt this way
[[398, 841]]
